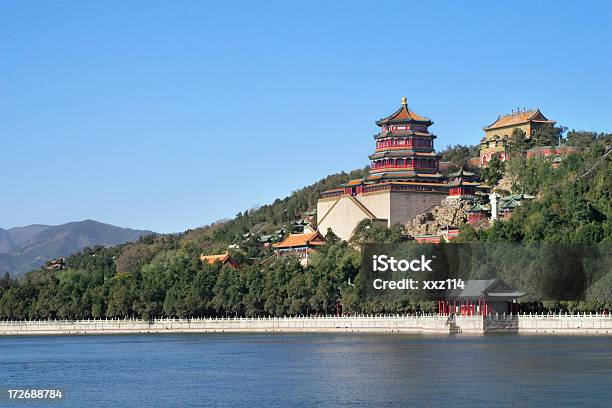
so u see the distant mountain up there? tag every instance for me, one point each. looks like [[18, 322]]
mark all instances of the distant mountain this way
[[16, 236], [25, 248], [5, 241]]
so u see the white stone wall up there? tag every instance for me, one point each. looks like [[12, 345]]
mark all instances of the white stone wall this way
[[427, 324], [379, 203], [342, 219], [344, 216], [396, 207]]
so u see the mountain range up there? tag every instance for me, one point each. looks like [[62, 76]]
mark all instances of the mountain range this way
[[23, 249]]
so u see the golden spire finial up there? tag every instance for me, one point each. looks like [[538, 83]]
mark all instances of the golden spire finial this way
[[404, 100]]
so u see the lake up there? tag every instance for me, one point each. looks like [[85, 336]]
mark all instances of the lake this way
[[314, 370]]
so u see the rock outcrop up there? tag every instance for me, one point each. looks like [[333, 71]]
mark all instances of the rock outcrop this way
[[450, 212]]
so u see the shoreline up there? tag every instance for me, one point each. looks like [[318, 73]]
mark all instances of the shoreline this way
[[584, 324]]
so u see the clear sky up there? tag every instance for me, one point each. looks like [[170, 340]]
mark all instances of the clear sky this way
[[170, 115]]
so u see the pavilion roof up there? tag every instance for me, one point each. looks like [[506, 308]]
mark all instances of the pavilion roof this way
[[519, 118], [462, 173], [354, 182], [478, 208], [509, 204], [455, 183], [485, 288], [517, 197], [211, 259], [404, 115], [301, 240]]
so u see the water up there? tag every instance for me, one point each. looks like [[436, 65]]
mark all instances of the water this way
[[314, 370]]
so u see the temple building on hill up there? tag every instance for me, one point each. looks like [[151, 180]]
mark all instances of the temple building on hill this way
[[300, 245], [462, 185], [499, 133], [503, 207], [224, 259], [404, 178], [478, 215]]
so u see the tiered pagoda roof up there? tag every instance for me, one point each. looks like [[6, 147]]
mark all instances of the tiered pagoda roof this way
[[404, 115], [404, 149]]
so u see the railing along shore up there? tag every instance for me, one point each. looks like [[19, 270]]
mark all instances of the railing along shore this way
[[528, 323]]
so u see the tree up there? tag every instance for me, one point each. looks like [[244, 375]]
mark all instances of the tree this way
[[368, 231], [494, 171], [548, 136], [121, 297], [517, 143], [459, 155], [228, 292]]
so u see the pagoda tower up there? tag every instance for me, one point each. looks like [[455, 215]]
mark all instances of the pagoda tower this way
[[404, 179], [404, 149]]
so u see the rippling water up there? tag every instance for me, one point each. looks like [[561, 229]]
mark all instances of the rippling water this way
[[311, 370]]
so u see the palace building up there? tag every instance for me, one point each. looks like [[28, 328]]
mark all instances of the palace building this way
[[404, 178], [224, 259], [462, 185], [499, 133], [300, 245]]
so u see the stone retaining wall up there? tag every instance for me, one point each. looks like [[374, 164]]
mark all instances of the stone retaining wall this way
[[427, 324]]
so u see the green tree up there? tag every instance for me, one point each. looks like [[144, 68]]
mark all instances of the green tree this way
[[494, 171]]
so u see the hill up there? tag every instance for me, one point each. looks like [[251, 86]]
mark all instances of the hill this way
[[25, 248], [163, 276]]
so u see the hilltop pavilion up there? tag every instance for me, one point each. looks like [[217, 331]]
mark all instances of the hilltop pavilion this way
[[499, 133]]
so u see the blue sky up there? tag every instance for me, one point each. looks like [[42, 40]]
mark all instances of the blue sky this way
[[170, 115]]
